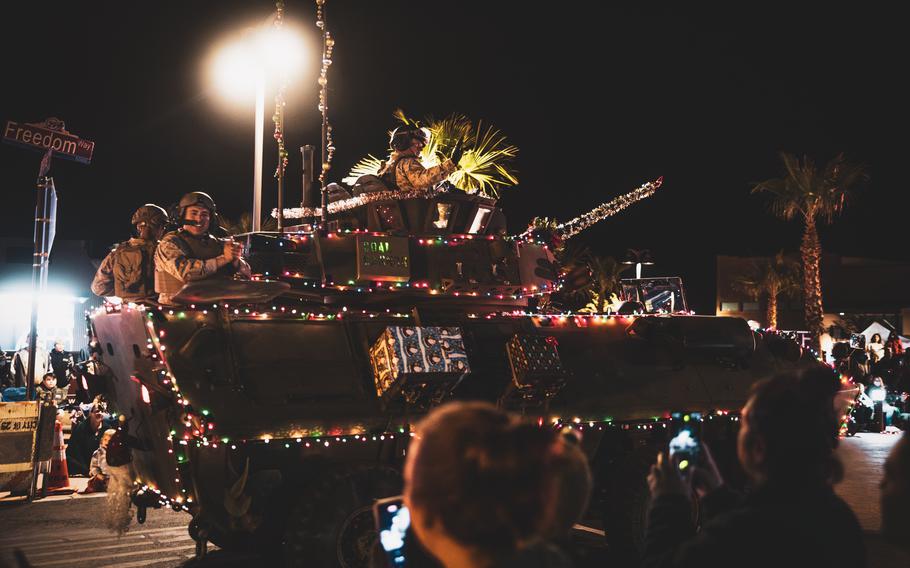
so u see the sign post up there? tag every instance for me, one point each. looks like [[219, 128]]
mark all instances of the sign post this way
[[51, 138]]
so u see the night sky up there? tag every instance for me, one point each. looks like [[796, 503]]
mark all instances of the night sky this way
[[599, 99]]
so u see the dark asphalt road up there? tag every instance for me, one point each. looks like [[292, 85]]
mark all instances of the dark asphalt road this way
[[67, 531]]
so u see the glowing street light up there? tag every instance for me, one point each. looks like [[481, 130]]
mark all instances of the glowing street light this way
[[246, 64]]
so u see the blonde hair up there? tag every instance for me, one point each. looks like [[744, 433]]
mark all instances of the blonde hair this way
[[108, 434]]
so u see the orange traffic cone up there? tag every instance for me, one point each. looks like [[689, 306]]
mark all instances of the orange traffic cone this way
[[58, 480]]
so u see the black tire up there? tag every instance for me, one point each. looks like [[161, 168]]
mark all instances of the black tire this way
[[625, 511], [330, 524]]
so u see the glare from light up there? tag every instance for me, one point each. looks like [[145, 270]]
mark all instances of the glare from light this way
[[56, 317], [234, 72], [877, 394], [264, 53]]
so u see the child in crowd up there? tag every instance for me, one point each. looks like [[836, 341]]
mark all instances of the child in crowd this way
[[47, 390], [99, 471]]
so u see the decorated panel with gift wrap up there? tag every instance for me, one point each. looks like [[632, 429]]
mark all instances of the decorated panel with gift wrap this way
[[536, 367], [411, 358]]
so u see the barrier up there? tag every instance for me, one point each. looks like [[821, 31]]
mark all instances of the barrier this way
[[18, 426]]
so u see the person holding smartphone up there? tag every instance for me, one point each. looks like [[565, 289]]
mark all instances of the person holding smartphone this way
[[786, 444]]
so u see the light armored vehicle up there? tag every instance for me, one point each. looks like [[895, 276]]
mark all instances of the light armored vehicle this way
[[277, 410]]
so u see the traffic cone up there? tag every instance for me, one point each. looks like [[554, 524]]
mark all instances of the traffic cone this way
[[58, 480]]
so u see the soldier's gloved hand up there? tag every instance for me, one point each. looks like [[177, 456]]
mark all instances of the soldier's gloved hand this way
[[232, 250], [457, 152]]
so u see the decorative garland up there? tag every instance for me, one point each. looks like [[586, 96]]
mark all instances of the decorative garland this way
[[278, 117], [353, 202], [571, 228], [328, 46]]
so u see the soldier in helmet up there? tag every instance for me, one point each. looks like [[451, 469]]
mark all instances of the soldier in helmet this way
[[128, 271], [404, 171], [192, 253]]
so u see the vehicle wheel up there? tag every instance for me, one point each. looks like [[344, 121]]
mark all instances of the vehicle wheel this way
[[330, 524], [199, 531], [625, 512]]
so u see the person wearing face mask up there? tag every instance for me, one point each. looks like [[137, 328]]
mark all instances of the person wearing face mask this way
[[404, 171], [192, 253]]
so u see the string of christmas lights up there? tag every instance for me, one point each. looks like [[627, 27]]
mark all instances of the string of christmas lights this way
[[571, 228]]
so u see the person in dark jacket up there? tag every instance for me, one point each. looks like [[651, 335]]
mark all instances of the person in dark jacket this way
[[786, 446], [895, 506], [61, 362], [85, 439]]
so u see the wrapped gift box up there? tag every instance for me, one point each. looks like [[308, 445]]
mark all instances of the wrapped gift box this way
[[536, 367], [417, 362]]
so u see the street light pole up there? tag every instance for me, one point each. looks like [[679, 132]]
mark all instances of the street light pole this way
[[257, 158]]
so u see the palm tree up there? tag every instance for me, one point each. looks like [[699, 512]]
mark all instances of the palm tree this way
[[244, 224], [770, 277], [606, 274], [813, 195]]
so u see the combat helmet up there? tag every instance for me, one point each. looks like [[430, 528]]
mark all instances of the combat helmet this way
[[403, 136], [150, 214], [195, 198]]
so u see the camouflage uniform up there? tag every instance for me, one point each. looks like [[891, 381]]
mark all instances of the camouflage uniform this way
[[405, 172], [56, 395], [128, 271], [182, 257]]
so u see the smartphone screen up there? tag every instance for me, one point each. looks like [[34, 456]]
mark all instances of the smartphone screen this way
[[685, 442], [392, 522]]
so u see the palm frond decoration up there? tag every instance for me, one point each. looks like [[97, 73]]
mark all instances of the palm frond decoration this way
[[404, 119], [366, 166], [445, 134], [485, 166]]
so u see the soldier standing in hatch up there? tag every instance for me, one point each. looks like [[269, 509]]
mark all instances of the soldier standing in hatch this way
[[404, 171], [128, 271], [191, 253]]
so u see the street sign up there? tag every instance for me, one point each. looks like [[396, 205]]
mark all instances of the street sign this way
[[49, 135]]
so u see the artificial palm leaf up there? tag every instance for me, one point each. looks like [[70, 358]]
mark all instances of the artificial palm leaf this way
[[485, 165], [366, 166]]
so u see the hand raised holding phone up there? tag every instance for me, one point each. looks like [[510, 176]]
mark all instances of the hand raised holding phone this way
[[688, 465]]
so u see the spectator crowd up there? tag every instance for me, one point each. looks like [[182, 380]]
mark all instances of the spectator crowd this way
[[485, 488], [881, 370]]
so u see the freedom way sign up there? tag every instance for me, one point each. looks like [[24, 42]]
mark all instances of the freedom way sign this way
[[49, 135]]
